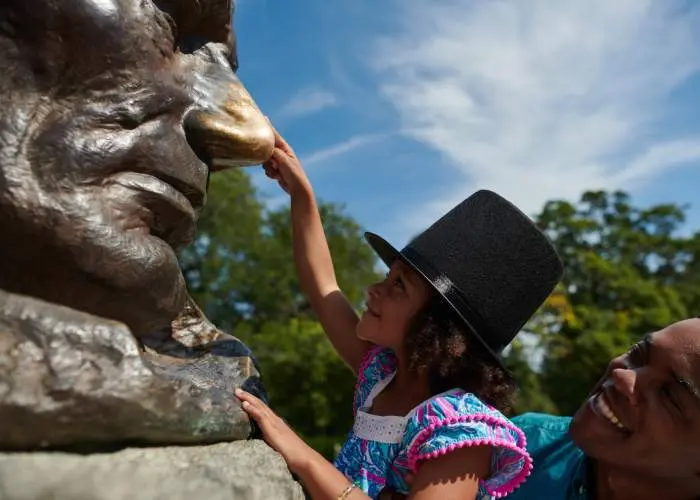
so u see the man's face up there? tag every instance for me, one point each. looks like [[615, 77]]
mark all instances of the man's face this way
[[113, 113], [644, 415]]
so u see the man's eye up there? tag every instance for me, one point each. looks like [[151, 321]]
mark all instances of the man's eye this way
[[636, 355], [668, 396]]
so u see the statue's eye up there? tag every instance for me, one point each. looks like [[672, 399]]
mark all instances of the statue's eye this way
[[190, 44], [194, 23]]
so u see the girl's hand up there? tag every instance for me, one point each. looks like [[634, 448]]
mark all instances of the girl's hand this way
[[285, 168], [276, 432]]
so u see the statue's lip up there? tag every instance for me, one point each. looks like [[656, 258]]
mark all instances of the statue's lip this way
[[173, 215], [196, 195]]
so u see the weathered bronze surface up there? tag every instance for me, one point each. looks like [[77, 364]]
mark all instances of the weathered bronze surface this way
[[114, 113]]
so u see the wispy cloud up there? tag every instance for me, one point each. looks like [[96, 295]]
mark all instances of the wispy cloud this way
[[308, 101], [541, 99], [341, 148]]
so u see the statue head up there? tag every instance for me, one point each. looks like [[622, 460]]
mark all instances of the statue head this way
[[114, 113]]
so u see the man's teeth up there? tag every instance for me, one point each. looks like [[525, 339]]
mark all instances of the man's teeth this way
[[370, 311], [603, 407]]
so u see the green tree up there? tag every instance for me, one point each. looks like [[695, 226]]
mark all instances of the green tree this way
[[531, 395], [217, 267], [627, 274]]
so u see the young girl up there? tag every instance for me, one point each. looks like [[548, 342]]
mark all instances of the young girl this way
[[431, 389]]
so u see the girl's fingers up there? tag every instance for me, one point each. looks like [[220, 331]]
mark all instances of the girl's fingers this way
[[271, 162], [251, 410], [250, 399], [272, 172], [244, 395], [279, 155], [253, 406], [279, 140], [282, 144], [285, 164]]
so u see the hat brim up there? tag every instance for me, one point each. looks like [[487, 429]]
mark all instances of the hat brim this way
[[389, 254]]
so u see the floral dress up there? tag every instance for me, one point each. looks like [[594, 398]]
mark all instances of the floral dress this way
[[382, 450]]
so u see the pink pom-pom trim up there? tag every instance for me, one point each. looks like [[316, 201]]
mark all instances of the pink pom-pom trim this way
[[414, 456]]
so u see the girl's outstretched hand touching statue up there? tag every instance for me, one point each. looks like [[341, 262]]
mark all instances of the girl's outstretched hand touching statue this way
[[313, 258], [285, 168]]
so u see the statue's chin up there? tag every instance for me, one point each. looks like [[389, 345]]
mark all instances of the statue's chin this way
[[145, 306], [149, 288]]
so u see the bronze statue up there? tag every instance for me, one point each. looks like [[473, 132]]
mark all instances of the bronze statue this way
[[113, 115]]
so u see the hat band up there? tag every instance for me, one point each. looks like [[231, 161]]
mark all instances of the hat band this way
[[451, 292]]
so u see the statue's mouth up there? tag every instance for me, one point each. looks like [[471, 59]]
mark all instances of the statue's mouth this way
[[170, 214]]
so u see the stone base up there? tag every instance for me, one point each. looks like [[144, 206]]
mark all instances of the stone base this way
[[243, 470]]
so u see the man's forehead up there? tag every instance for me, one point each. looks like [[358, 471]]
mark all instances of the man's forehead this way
[[681, 343]]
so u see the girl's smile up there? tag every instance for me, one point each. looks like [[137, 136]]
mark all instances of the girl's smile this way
[[391, 305]]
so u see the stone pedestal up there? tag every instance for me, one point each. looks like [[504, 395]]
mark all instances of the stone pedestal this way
[[243, 470]]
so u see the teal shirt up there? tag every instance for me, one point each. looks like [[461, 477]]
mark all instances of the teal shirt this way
[[559, 471]]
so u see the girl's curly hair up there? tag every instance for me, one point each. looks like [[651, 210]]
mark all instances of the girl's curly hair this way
[[439, 342]]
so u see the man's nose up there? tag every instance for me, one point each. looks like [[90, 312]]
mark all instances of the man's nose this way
[[625, 381], [375, 290], [224, 126]]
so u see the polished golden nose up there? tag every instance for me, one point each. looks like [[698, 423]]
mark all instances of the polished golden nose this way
[[235, 135], [224, 126]]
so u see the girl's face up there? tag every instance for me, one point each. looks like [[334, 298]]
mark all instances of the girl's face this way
[[391, 305]]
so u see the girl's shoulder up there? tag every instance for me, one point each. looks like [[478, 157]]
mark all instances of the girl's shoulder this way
[[456, 419], [452, 404], [377, 364]]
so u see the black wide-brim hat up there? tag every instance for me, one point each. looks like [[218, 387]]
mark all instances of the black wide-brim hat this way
[[488, 261]]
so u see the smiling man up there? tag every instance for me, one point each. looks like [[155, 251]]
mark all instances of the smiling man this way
[[636, 437]]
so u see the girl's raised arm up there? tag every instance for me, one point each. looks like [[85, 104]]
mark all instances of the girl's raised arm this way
[[313, 258]]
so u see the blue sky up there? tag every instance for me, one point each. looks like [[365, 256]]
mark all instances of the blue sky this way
[[399, 109]]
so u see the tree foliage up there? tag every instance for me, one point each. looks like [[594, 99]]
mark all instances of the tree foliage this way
[[629, 271]]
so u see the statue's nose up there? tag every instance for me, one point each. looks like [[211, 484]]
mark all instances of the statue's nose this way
[[224, 125]]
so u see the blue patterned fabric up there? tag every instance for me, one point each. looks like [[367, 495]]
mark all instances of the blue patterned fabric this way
[[381, 451]]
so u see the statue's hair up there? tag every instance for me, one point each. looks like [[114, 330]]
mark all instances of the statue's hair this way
[[439, 342]]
